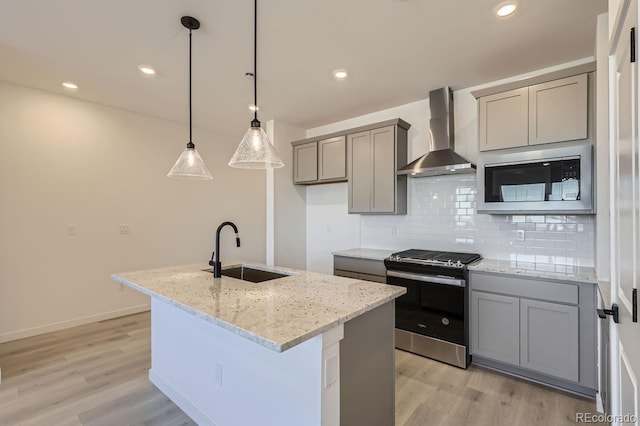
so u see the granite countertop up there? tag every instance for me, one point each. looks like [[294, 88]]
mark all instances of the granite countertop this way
[[537, 270], [365, 253], [277, 314]]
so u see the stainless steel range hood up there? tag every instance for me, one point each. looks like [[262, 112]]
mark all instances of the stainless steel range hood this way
[[441, 160]]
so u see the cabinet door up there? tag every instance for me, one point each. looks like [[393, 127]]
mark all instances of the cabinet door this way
[[332, 162], [305, 162], [549, 338], [359, 172], [495, 330], [558, 110], [503, 120], [384, 170]]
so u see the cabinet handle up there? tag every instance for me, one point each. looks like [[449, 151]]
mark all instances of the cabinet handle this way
[[602, 313], [634, 302]]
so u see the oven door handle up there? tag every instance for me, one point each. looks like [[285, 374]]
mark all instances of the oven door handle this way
[[438, 279]]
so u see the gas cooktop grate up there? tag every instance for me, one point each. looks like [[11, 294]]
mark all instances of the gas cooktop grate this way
[[436, 256]]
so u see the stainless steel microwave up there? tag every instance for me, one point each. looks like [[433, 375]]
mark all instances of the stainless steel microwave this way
[[557, 180]]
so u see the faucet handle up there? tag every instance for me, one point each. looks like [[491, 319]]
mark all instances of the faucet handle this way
[[211, 262]]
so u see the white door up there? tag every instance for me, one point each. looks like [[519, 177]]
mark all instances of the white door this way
[[625, 202]]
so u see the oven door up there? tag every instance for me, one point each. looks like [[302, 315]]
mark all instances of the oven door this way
[[433, 305]]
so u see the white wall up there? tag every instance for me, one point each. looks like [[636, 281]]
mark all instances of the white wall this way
[[441, 211], [603, 228], [289, 218], [66, 161]]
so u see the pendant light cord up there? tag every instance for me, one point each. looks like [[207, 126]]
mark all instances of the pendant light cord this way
[[255, 59], [190, 114]]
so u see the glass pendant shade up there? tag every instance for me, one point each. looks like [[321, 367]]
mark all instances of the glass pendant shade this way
[[190, 165], [256, 152]]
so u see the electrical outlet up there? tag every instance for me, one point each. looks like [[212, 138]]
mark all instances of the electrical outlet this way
[[124, 229], [71, 229], [393, 231], [520, 234], [218, 374]]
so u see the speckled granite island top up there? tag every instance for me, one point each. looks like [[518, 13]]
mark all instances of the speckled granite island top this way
[[277, 314]]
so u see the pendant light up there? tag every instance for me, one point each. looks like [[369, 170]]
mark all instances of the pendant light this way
[[190, 164], [256, 150]]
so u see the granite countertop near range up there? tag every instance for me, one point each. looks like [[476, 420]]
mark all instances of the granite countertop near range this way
[[365, 253], [277, 314], [580, 274]]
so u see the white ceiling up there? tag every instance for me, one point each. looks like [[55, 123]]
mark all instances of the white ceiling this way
[[395, 51]]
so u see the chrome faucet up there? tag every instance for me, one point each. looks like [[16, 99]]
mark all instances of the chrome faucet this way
[[217, 266]]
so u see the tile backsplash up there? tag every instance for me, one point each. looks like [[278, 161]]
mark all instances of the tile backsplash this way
[[441, 215]]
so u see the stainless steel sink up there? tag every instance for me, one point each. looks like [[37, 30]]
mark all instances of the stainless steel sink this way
[[247, 273]]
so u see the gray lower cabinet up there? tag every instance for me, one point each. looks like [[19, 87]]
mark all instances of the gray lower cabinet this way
[[535, 328], [373, 158], [495, 326], [549, 338], [360, 269]]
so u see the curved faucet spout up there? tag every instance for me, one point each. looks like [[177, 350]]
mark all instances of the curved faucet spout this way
[[217, 267]]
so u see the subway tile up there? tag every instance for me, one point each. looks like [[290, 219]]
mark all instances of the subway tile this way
[[535, 219]]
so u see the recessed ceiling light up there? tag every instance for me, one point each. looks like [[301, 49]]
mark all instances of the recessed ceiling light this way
[[254, 108], [506, 9], [340, 74], [69, 85], [146, 70]]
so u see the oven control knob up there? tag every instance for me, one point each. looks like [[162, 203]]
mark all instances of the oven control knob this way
[[449, 263], [459, 264], [445, 321]]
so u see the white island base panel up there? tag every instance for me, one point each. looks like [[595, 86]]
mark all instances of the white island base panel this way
[[222, 379]]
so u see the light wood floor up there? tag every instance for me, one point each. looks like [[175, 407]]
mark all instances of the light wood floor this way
[[96, 374]]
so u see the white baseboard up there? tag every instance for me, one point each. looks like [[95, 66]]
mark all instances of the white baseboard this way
[[34, 331], [180, 400], [599, 405]]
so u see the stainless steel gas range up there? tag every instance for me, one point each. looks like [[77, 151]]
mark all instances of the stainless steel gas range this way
[[431, 318]]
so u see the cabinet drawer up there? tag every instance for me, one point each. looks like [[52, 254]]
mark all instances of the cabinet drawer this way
[[363, 266], [343, 273], [374, 278], [525, 287]]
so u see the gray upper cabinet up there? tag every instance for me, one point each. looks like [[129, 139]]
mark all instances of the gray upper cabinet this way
[[305, 162], [551, 111], [359, 155], [503, 120], [373, 158], [368, 157], [320, 161], [558, 110], [332, 158]]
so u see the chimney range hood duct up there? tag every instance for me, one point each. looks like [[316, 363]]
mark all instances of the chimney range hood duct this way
[[441, 160]]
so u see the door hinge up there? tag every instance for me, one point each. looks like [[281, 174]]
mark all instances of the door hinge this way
[[614, 311], [633, 44], [634, 303]]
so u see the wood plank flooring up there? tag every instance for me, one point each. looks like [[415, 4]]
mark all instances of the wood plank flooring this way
[[96, 374]]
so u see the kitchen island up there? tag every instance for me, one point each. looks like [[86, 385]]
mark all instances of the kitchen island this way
[[305, 349]]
